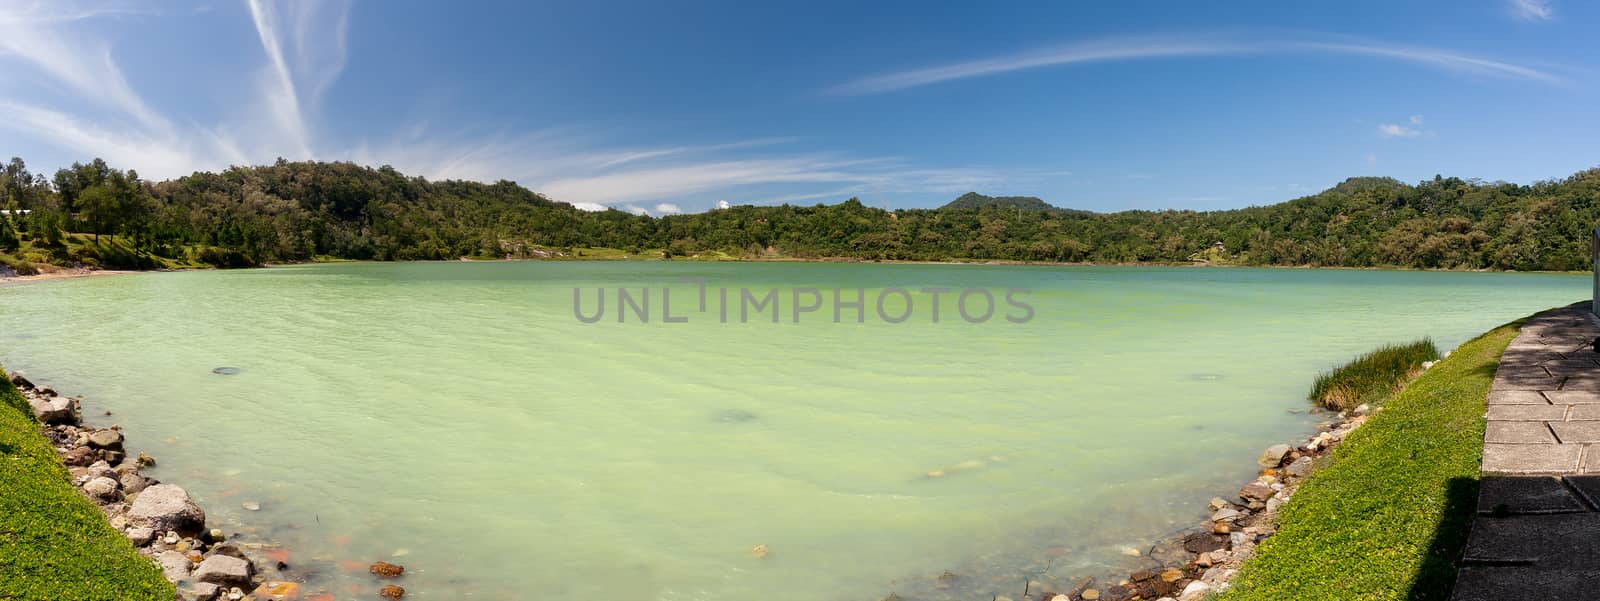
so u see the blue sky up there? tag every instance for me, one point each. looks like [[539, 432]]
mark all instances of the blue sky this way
[[666, 107]]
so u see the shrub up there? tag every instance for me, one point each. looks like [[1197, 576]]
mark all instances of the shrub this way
[[1373, 376]]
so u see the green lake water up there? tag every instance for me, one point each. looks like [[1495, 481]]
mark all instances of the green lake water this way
[[460, 417]]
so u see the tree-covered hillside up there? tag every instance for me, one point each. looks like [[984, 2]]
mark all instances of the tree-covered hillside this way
[[974, 200], [309, 210]]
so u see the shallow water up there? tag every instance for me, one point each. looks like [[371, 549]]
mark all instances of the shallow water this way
[[459, 416]]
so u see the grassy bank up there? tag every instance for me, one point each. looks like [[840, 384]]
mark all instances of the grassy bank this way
[[54, 544], [1372, 377], [1388, 514]]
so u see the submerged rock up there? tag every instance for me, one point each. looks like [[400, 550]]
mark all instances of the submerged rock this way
[[167, 507], [384, 569], [736, 416], [226, 371], [391, 592]]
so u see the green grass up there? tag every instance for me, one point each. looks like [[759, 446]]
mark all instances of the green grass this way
[[1372, 377], [54, 544], [1387, 515]]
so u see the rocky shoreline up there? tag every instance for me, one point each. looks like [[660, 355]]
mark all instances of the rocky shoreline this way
[[164, 523], [1201, 560]]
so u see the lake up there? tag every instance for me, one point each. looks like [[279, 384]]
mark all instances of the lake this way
[[463, 420]]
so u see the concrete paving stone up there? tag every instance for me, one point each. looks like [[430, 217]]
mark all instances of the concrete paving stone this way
[[1527, 412], [1517, 397], [1578, 413], [1581, 383], [1525, 495], [1572, 367], [1514, 459], [1523, 372], [1526, 384], [1571, 432], [1591, 461], [1547, 541], [1500, 583], [1518, 432], [1587, 487], [1573, 397]]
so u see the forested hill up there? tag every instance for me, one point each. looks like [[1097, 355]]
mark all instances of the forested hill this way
[[306, 210], [974, 200]]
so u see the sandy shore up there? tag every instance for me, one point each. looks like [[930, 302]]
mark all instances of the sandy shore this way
[[60, 274]]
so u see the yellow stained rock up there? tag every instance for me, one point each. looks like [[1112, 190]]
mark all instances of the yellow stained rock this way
[[759, 551], [278, 591]]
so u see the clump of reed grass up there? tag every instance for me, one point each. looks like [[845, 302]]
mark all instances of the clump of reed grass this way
[[1373, 376]]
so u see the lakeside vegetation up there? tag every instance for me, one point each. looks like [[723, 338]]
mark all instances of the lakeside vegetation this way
[[54, 543], [303, 211], [1387, 516], [1372, 377]]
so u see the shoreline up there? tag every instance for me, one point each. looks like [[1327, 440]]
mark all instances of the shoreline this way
[[164, 524], [70, 273]]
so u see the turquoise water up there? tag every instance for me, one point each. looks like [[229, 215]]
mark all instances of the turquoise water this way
[[458, 416]]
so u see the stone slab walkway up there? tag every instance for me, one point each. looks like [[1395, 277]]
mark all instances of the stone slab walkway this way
[[1537, 530], [1544, 406]]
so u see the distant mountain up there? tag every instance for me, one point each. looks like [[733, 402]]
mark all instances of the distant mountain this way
[[974, 200]]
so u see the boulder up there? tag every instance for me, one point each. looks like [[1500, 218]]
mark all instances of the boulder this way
[[140, 535], [174, 566], [21, 382], [1256, 491], [167, 507], [106, 439], [101, 487], [1273, 456], [79, 457], [1299, 468], [54, 410], [1201, 542], [1226, 514], [131, 483], [1196, 591], [205, 591], [224, 570]]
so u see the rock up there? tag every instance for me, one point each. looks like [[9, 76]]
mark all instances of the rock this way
[[224, 570], [170, 538], [1089, 595], [1299, 468], [1061, 598], [384, 569], [167, 507], [106, 439], [1226, 514], [277, 591], [131, 483], [1171, 575], [1273, 456], [205, 591], [1220, 528], [140, 536], [1141, 575], [1363, 409], [235, 594], [144, 460], [101, 487], [1237, 539], [1201, 542], [1273, 504], [21, 382], [1196, 591], [174, 566], [1132, 552], [391, 592], [251, 506], [54, 410], [229, 549], [1217, 503], [79, 457], [1256, 491]]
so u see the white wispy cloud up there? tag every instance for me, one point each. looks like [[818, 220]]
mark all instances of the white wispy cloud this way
[[1396, 130], [1178, 46], [667, 208], [297, 46], [1532, 10]]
